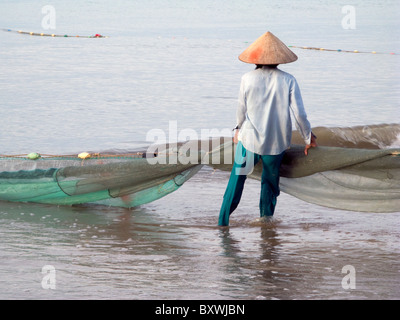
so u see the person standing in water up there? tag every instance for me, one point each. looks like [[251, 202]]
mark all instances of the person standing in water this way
[[267, 96]]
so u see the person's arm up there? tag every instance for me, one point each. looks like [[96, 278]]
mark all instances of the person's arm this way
[[301, 122], [241, 111]]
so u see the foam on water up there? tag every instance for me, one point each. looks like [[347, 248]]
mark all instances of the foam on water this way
[[377, 136]]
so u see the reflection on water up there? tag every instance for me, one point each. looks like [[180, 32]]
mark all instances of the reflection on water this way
[[143, 253]]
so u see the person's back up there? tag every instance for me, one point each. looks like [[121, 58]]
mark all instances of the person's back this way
[[266, 97]]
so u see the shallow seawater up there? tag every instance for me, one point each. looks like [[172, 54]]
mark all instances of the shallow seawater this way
[[172, 249], [177, 63]]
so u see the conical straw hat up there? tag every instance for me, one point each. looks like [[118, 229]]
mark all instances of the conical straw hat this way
[[267, 49]]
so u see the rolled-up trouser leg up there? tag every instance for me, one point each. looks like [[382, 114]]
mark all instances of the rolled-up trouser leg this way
[[236, 182], [269, 183]]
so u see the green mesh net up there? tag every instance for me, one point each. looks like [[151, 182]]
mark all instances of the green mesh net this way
[[119, 181], [348, 178]]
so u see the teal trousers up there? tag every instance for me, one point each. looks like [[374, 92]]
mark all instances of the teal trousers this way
[[242, 166]]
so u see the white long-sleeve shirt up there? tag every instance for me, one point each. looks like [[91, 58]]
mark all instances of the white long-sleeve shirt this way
[[266, 97]]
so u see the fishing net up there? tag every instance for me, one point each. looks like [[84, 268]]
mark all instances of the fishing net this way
[[343, 178], [122, 180], [366, 180], [349, 170]]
